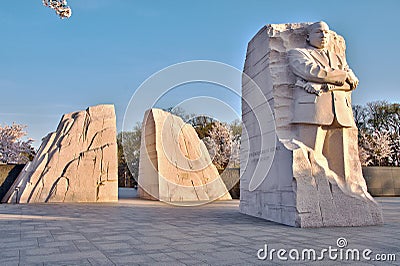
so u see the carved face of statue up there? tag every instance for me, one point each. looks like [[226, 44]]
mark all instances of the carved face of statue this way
[[318, 35]]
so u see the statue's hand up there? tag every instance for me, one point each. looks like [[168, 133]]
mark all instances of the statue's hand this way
[[338, 83], [352, 80], [310, 89]]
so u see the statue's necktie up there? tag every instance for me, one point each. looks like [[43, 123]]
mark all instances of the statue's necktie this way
[[325, 55]]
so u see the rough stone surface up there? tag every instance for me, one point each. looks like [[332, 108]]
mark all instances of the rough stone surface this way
[[8, 174], [174, 163], [77, 163], [299, 189]]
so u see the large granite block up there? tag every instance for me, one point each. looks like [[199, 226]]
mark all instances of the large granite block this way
[[174, 163], [302, 187], [76, 163]]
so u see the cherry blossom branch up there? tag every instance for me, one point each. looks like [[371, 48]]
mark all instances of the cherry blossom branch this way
[[60, 6]]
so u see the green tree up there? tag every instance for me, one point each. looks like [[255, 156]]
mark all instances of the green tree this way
[[379, 119], [360, 116], [128, 156], [203, 125]]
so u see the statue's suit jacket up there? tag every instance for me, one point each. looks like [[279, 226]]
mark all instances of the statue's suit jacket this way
[[310, 66]]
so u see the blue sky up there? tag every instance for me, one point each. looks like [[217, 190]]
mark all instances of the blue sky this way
[[109, 47]]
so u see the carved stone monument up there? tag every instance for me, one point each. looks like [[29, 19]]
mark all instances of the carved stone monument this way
[[315, 178], [175, 165], [77, 163]]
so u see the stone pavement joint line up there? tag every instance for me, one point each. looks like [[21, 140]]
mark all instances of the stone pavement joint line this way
[[140, 232]]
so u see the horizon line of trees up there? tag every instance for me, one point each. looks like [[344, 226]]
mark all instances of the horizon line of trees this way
[[378, 139]]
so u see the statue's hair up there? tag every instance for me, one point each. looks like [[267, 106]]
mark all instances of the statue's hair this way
[[311, 27]]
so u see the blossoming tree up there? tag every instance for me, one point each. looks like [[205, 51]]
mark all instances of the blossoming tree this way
[[12, 148]]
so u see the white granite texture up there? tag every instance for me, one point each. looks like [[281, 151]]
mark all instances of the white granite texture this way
[[301, 189], [76, 163], [175, 165]]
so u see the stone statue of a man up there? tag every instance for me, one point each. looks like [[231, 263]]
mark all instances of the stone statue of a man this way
[[325, 81], [322, 105], [315, 177]]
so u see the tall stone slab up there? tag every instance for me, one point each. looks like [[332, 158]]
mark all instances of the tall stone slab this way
[[175, 165], [76, 163], [301, 188]]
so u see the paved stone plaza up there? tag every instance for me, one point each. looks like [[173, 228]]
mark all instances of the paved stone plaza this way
[[140, 232]]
